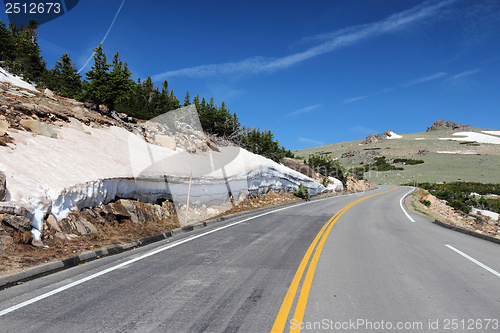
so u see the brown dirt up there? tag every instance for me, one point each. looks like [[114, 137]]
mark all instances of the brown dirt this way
[[439, 210]]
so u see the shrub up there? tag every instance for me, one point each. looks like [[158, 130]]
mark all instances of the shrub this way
[[459, 205], [327, 167], [302, 192], [425, 202]]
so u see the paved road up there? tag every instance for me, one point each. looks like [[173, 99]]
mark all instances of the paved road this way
[[375, 265]]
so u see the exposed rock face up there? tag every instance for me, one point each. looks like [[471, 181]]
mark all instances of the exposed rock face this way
[[373, 138], [354, 185], [88, 220], [3, 186], [440, 124]]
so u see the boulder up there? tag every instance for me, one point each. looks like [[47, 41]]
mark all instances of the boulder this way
[[3, 186], [87, 225], [16, 222], [52, 223], [39, 128], [119, 210], [131, 209], [76, 124], [49, 94]]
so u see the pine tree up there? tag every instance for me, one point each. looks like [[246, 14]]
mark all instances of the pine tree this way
[[187, 99], [64, 78], [97, 88], [120, 83], [7, 45], [27, 59]]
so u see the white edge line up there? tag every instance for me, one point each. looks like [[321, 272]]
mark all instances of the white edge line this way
[[491, 270], [128, 262], [401, 204]]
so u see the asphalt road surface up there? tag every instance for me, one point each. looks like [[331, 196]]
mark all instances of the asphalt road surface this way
[[351, 263]]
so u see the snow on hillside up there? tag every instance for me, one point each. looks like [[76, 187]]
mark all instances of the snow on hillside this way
[[474, 136], [85, 167], [392, 135], [492, 132], [14, 80]]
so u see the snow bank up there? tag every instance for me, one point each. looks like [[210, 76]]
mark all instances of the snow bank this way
[[492, 215], [492, 132], [474, 136], [335, 185], [393, 135], [459, 152], [89, 167], [15, 80]]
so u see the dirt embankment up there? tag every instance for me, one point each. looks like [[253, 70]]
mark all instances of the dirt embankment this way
[[438, 209]]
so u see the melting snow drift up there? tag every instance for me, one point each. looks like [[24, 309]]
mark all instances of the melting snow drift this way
[[14, 80], [474, 136]]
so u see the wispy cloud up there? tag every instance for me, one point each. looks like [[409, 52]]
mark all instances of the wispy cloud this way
[[464, 74], [304, 110], [329, 42], [105, 36], [355, 99], [424, 79], [310, 141]]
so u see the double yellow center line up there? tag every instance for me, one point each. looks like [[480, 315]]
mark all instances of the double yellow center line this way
[[286, 306]]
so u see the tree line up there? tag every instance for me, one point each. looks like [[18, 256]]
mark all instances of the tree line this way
[[111, 85]]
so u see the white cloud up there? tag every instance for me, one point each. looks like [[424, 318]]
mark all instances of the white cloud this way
[[304, 110], [463, 74], [330, 42], [310, 141], [424, 79], [355, 99]]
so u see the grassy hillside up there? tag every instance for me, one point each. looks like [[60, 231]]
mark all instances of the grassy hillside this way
[[470, 161]]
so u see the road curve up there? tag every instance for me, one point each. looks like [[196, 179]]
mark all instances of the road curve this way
[[375, 264]]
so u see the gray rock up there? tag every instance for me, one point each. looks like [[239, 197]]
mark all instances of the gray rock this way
[[52, 222], [3, 186], [89, 226], [118, 210], [39, 128], [16, 222], [49, 94], [131, 209]]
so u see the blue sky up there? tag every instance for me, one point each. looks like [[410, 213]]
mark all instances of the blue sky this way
[[314, 72]]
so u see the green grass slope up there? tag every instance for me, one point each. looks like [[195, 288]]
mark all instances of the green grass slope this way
[[471, 161]]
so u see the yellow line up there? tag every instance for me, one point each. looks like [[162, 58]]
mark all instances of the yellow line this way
[[280, 322]]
